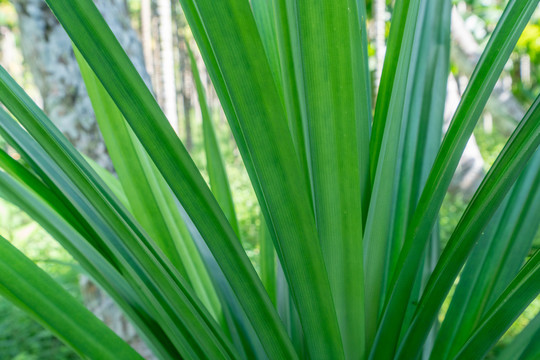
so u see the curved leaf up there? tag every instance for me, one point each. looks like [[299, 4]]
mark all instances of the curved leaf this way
[[506, 169], [30, 288]]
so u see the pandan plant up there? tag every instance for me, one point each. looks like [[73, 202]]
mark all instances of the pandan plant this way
[[350, 265]]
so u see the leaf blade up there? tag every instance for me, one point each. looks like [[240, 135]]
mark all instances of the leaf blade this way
[[104, 54], [515, 155], [30, 288], [480, 86]]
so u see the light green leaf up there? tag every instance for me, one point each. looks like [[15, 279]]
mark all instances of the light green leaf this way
[[150, 199], [95, 265], [101, 50], [495, 261], [114, 232], [524, 345], [385, 171], [219, 181], [483, 80], [508, 166], [30, 288], [338, 124], [517, 296]]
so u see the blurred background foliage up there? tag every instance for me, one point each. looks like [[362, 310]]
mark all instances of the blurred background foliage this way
[[23, 339]]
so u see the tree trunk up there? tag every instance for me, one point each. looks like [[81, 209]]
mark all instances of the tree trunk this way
[[167, 62], [184, 93], [49, 56], [146, 35]]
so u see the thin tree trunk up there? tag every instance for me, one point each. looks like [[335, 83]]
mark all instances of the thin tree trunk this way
[[146, 35], [183, 72], [167, 62], [186, 95], [47, 53], [156, 59]]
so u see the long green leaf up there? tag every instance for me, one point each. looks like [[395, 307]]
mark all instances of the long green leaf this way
[[239, 326], [519, 294], [26, 177], [288, 313], [379, 218], [494, 263], [110, 180], [116, 232], [231, 29], [205, 48], [388, 77], [523, 344], [130, 167], [337, 127], [267, 261], [532, 351], [525, 228], [483, 80], [288, 47], [462, 298], [219, 181], [431, 22], [149, 196], [101, 50], [434, 98], [515, 155], [96, 266], [266, 20], [27, 286]]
